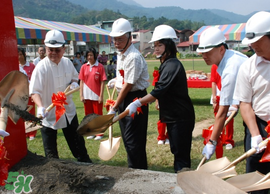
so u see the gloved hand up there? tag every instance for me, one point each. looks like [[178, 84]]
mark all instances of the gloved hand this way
[[111, 111], [74, 85], [111, 83], [232, 108], [41, 111], [208, 150], [3, 133], [132, 107], [255, 141]]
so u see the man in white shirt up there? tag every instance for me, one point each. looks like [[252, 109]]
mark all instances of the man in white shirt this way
[[54, 74], [253, 90], [215, 51], [41, 52], [131, 82]]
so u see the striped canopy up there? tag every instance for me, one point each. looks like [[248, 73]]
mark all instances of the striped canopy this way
[[232, 32], [33, 31]]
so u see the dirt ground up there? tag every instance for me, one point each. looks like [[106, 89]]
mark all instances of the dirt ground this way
[[68, 177]]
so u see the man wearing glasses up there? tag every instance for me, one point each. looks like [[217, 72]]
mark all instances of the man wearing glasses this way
[[253, 90], [131, 82], [54, 74], [214, 50]]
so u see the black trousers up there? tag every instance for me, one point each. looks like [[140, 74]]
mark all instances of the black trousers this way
[[75, 142], [180, 136], [252, 162], [134, 132]]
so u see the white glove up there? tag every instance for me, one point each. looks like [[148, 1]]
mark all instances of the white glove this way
[[41, 111], [3, 133], [255, 141], [132, 107], [208, 150], [74, 85], [232, 108], [111, 111], [111, 83]]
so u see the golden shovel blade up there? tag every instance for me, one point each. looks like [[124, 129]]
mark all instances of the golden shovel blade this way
[[19, 82], [196, 182], [94, 124], [108, 148]]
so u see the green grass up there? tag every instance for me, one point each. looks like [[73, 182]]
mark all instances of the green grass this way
[[159, 157]]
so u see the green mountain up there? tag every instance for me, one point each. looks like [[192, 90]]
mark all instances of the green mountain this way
[[55, 10]]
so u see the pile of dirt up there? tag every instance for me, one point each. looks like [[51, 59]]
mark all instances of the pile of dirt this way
[[63, 176]]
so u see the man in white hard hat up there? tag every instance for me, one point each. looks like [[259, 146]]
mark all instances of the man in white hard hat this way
[[253, 90], [53, 74], [131, 82], [214, 50]]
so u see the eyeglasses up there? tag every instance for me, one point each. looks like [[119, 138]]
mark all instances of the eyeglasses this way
[[56, 50], [119, 40], [251, 35]]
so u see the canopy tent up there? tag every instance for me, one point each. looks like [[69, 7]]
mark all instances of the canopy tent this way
[[232, 32], [33, 31]]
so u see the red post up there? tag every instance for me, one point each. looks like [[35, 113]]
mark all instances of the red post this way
[[16, 142]]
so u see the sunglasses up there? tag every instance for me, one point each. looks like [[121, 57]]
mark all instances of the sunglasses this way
[[54, 42], [210, 46], [56, 50], [251, 35]]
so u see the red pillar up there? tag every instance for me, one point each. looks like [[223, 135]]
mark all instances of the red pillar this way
[[16, 142]]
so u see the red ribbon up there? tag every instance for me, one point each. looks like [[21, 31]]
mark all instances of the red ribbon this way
[[109, 103], [3, 164], [121, 71], [139, 109], [58, 101], [155, 76], [217, 106], [266, 154]]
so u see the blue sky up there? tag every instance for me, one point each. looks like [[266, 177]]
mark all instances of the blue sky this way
[[242, 7]]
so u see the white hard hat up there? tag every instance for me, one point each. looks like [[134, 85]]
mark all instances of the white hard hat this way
[[120, 27], [163, 32], [210, 38], [257, 26], [54, 39]]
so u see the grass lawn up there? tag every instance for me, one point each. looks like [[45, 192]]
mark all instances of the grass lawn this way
[[159, 156]]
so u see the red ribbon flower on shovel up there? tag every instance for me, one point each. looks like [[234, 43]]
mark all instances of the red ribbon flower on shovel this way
[[266, 154], [139, 109], [3, 164], [109, 103], [155, 76], [58, 101], [121, 71]]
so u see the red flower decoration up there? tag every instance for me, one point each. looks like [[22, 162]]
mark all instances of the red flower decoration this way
[[121, 71], [3, 164], [155, 76], [266, 154], [58, 101], [109, 103], [139, 109]]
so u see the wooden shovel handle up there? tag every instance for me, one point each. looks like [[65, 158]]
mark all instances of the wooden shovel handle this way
[[247, 154], [3, 118], [120, 116]]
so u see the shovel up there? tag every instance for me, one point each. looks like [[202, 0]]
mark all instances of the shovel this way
[[223, 168], [67, 92], [251, 181], [108, 148]]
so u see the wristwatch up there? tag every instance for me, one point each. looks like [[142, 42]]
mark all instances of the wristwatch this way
[[213, 142]]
